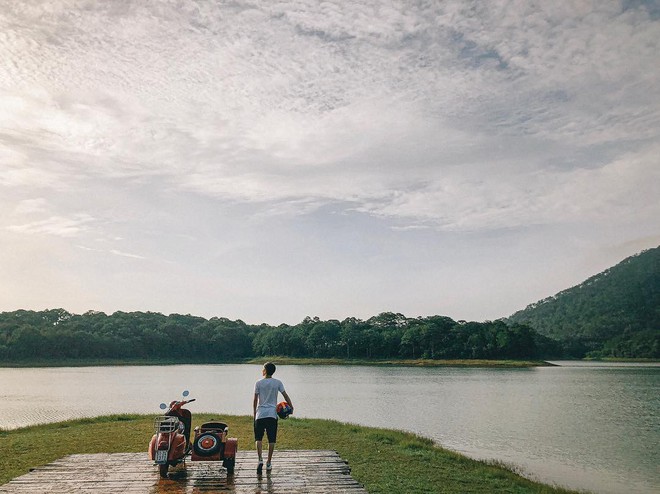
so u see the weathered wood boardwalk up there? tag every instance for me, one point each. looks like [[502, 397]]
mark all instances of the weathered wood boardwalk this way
[[294, 472]]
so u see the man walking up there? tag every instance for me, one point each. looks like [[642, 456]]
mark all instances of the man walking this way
[[265, 413]]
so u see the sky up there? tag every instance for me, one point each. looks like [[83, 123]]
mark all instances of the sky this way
[[267, 161]]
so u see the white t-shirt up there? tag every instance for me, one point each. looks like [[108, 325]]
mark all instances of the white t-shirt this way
[[267, 389]]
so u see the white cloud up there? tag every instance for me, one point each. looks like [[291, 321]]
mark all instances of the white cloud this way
[[29, 206], [56, 225], [126, 254]]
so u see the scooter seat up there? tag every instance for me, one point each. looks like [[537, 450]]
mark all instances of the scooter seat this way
[[213, 426]]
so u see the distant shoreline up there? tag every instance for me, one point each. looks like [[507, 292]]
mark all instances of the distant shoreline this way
[[403, 362], [279, 360], [282, 361]]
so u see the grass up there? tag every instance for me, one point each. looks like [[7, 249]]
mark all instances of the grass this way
[[385, 461], [623, 359]]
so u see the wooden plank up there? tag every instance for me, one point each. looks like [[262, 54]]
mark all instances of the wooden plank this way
[[294, 472]]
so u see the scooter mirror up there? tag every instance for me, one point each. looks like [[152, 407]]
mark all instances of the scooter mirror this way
[[186, 393], [163, 406]]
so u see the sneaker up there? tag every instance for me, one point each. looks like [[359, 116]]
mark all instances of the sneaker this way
[[260, 467], [269, 467]]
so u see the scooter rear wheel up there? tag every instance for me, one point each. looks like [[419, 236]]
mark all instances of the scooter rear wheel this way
[[162, 469]]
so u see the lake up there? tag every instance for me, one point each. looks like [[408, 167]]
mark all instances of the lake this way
[[582, 425]]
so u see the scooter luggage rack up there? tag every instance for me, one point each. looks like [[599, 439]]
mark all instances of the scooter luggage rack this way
[[166, 424]]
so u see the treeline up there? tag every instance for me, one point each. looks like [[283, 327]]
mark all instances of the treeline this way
[[59, 335]]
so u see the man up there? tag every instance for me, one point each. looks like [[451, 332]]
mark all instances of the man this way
[[265, 414]]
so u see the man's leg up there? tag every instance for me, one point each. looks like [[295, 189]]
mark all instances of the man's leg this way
[[260, 463], [271, 448], [271, 431], [258, 438]]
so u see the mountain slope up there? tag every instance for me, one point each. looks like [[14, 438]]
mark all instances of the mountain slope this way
[[608, 310]]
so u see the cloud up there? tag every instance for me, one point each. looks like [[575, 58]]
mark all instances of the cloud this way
[[393, 110], [29, 206], [56, 225], [126, 254], [114, 252]]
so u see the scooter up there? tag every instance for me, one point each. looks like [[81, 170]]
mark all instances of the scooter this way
[[170, 445]]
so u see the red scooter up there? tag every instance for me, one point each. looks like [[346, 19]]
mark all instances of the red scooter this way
[[170, 445], [171, 442]]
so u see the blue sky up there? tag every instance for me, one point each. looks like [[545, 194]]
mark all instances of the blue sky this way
[[272, 160]]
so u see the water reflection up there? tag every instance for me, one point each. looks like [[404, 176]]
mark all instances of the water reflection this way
[[209, 479], [265, 486]]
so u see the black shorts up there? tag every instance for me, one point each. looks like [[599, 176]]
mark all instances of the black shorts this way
[[267, 424]]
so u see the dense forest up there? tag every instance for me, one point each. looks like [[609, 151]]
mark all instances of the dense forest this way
[[59, 335], [615, 313]]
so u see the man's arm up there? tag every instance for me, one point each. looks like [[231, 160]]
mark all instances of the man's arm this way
[[254, 405], [288, 400]]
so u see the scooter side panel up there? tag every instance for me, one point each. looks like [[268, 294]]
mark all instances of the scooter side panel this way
[[152, 448], [231, 446], [177, 448]]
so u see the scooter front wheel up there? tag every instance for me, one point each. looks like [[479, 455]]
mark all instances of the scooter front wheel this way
[[162, 469]]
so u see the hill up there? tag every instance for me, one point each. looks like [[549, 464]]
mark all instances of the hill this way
[[615, 313]]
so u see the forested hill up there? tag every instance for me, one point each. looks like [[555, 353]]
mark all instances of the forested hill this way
[[614, 313]]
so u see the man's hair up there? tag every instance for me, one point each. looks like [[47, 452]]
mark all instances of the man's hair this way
[[270, 368]]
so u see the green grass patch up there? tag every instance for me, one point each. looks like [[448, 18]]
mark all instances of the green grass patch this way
[[385, 461], [623, 359]]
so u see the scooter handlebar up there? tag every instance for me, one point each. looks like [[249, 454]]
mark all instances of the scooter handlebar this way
[[175, 405]]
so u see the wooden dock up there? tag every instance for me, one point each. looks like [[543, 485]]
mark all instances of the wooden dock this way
[[294, 472]]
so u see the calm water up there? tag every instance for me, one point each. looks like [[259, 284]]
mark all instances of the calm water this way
[[585, 426]]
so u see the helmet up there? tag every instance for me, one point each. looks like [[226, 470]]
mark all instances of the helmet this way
[[283, 410]]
